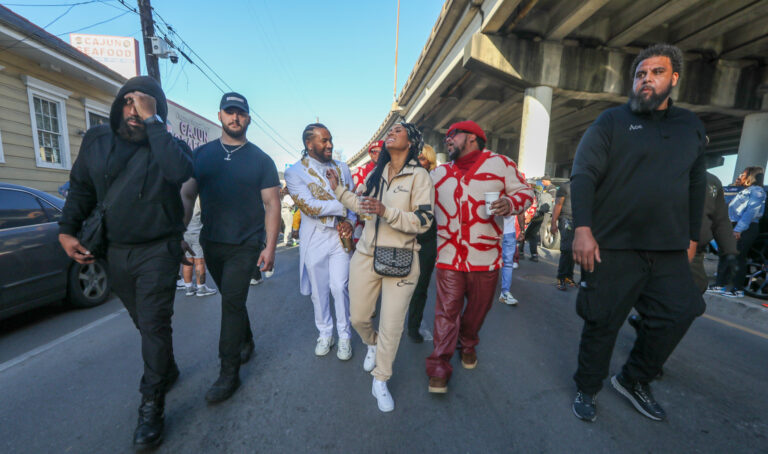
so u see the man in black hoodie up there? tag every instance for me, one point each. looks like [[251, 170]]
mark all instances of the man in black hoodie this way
[[144, 227]]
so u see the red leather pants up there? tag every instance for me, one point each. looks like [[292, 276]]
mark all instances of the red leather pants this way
[[451, 324]]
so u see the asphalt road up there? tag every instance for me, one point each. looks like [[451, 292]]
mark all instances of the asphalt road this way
[[69, 383]]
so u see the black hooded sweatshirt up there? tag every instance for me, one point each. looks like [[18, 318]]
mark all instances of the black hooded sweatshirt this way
[[149, 209]]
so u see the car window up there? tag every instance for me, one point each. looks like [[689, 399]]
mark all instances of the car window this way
[[54, 214], [19, 209]]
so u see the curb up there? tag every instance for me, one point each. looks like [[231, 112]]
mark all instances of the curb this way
[[745, 308]]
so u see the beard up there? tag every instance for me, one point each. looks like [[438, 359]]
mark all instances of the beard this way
[[133, 134], [638, 104], [235, 134]]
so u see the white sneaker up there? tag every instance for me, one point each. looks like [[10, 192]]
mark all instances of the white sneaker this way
[[268, 274], [515, 266], [507, 298], [256, 282], [382, 395], [344, 350], [425, 333], [191, 289], [204, 290], [323, 346], [370, 359], [181, 285]]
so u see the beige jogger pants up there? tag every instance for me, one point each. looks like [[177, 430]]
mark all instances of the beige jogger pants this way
[[364, 288]]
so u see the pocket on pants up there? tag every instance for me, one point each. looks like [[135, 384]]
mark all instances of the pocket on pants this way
[[592, 302]]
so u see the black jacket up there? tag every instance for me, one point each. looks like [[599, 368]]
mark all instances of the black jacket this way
[[638, 179], [716, 222], [150, 207]]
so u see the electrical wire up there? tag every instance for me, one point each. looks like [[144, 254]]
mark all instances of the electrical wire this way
[[50, 4], [96, 24], [170, 29], [19, 41]]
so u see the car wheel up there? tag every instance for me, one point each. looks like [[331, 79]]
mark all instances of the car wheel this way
[[548, 240], [88, 284]]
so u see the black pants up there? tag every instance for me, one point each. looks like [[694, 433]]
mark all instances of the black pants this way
[[231, 267], [144, 278], [659, 286], [532, 236], [744, 244], [566, 264], [427, 257]]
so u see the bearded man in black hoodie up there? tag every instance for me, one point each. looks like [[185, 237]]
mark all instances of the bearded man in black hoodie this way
[[144, 227]]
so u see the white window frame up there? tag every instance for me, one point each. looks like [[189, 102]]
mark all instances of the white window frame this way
[[2, 156], [96, 107], [51, 93]]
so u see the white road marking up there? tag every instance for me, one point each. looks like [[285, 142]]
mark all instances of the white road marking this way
[[43, 348]]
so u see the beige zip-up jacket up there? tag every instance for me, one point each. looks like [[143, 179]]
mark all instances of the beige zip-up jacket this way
[[409, 199]]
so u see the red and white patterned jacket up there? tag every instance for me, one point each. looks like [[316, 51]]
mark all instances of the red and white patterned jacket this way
[[467, 238], [361, 172]]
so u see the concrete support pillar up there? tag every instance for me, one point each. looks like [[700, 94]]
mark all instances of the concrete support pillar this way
[[753, 146], [534, 131]]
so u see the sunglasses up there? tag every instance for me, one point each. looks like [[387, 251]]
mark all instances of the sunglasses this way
[[451, 134]]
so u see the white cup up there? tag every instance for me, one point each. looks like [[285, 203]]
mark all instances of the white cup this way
[[490, 197]]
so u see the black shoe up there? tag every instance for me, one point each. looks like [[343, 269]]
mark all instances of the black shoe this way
[[534, 258], [149, 430], [641, 397], [416, 336], [634, 321], [585, 406], [246, 350], [226, 385], [561, 284]]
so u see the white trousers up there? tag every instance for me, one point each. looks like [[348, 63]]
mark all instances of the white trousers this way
[[327, 266]]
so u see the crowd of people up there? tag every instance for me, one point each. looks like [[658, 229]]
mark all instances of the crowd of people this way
[[631, 217]]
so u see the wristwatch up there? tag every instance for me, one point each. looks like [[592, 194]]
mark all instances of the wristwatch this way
[[153, 119]]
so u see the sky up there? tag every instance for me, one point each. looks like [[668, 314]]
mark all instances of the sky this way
[[295, 61]]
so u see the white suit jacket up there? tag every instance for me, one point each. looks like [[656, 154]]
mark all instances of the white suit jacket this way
[[319, 207]]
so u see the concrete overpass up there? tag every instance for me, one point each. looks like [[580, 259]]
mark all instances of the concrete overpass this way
[[535, 73]]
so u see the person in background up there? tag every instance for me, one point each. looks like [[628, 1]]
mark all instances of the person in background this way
[[361, 173], [745, 211], [286, 212], [400, 194], [192, 237], [562, 220], [508, 251], [427, 255]]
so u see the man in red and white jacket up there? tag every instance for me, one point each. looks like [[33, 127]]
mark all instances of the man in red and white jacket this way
[[468, 243], [362, 171]]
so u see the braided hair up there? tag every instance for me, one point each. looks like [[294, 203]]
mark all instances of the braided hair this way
[[417, 143], [308, 133]]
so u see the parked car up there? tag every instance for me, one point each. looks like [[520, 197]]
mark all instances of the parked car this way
[[34, 270]]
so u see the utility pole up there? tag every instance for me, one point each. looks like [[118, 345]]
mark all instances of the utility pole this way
[[148, 30]]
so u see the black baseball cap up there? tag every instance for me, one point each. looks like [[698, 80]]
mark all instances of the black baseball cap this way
[[233, 99]]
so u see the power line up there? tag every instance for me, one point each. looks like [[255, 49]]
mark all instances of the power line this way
[[171, 30], [50, 4], [96, 24], [19, 41]]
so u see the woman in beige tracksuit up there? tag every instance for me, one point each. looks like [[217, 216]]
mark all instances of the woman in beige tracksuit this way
[[401, 194]]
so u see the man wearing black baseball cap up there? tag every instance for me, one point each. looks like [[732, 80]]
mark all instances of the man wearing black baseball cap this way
[[240, 200]]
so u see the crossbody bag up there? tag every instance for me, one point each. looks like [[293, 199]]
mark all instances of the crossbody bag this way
[[390, 261]]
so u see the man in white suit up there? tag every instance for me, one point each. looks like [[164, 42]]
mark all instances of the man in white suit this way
[[324, 261]]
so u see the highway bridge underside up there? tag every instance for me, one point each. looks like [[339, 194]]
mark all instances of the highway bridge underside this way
[[522, 120]]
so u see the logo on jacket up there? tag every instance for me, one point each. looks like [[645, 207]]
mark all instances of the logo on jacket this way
[[399, 188], [635, 127]]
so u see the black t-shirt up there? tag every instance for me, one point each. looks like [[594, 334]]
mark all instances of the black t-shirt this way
[[565, 191], [230, 191], [638, 179]]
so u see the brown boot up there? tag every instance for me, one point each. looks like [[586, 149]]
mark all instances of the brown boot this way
[[469, 360], [438, 385]]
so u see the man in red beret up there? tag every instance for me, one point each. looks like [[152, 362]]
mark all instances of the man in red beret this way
[[469, 242]]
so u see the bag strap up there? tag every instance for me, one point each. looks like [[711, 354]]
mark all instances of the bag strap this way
[[118, 184]]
